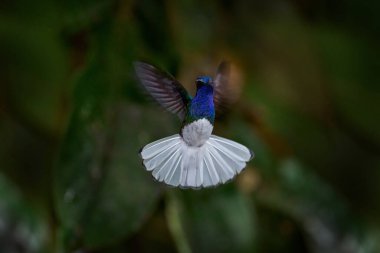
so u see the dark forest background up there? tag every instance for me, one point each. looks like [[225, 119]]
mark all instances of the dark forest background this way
[[72, 119]]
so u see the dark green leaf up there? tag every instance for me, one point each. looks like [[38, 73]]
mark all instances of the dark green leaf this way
[[101, 188], [22, 227], [214, 220]]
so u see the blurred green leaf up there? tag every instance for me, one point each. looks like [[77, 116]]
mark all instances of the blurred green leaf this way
[[33, 68], [322, 214], [349, 62], [79, 15], [371, 240], [213, 220], [100, 185], [22, 228]]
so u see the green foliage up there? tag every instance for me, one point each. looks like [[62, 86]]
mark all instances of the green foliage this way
[[23, 227], [218, 220], [72, 119]]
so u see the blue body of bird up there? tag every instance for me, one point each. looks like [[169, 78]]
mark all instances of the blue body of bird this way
[[202, 105]]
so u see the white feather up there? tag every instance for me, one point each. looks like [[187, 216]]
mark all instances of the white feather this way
[[155, 147], [197, 133], [241, 151], [159, 156], [173, 161]]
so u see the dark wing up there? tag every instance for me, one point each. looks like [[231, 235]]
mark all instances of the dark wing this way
[[224, 96], [167, 91]]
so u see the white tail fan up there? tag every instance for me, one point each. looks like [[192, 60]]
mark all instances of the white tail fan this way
[[217, 161]]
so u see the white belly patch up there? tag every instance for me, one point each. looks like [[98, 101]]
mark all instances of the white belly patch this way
[[197, 133]]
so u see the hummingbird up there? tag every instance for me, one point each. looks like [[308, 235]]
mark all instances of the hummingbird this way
[[193, 158]]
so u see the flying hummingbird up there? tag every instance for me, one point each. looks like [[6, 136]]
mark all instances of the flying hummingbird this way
[[194, 158]]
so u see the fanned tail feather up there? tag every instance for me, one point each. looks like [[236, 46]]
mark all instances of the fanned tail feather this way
[[217, 161]]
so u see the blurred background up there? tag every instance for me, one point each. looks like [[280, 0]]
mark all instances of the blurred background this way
[[72, 119]]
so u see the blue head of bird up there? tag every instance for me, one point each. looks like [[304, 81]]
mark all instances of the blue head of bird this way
[[203, 81]]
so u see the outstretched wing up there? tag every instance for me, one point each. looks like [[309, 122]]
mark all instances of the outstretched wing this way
[[167, 91], [224, 96]]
